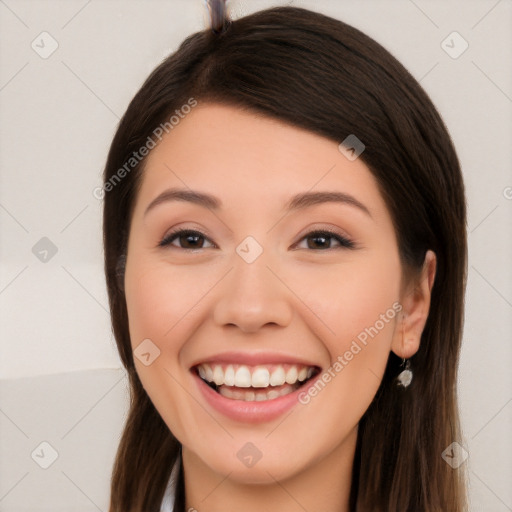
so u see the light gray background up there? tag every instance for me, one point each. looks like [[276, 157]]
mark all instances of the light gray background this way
[[61, 381]]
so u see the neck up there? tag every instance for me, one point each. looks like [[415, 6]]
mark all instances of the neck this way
[[323, 485]]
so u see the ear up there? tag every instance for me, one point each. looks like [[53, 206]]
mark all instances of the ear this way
[[415, 302]]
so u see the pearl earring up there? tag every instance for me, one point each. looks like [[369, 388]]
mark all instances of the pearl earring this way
[[405, 376]]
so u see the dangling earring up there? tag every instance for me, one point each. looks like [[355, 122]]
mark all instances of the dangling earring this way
[[405, 376]]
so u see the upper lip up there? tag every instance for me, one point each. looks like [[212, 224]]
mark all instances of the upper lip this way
[[254, 359]]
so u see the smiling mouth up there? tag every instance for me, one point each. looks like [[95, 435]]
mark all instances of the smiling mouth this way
[[255, 383]]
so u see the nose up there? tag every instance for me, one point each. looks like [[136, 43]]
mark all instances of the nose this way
[[253, 295]]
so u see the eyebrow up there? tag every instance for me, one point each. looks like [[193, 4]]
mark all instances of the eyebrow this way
[[297, 202], [307, 199], [191, 196]]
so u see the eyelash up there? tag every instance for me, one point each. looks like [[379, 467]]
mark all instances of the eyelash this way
[[345, 243]]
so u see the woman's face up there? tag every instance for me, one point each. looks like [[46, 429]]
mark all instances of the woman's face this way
[[258, 297]]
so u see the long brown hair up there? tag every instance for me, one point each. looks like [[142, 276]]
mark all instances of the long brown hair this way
[[317, 73]]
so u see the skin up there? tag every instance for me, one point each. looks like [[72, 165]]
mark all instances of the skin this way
[[301, 296]]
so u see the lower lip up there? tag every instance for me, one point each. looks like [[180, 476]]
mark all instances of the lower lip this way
[[251, 412]]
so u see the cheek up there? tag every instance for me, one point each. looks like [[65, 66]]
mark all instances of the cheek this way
[[358, 302], [362, 311], [159, 297], [348, 299], [160, 303]]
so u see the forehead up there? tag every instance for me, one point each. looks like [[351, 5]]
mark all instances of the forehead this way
[[250, 159]]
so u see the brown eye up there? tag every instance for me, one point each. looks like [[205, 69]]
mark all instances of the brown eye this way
[[188, 239], [322, 240]]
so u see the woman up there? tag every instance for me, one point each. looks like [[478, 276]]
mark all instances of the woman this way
[[285, 255]]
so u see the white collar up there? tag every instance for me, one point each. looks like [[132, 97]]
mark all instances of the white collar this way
[[168, 500]]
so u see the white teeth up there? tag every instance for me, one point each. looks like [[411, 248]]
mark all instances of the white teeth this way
[[258, 396], [218, 375], [262, 376], [291, 375], [229, 376], [278, 377], [209, 372], [243, 377]]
